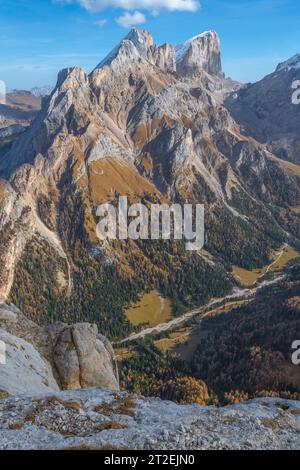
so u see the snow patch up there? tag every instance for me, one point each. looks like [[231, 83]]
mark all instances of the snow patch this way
[[110, 57], [182, 49], [140, 39]]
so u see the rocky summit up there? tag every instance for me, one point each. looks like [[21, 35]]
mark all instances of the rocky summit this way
[[202, 52]]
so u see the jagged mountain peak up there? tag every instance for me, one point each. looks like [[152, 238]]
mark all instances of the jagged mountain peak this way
[[201, 52], [137, 42], [125, 50], [139, 45], [69, 77], [181, 49], [141, 38]]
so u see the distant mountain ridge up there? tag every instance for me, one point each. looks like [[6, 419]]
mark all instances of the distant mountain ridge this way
[[42, 91], [20, 108], [16, 115], [39, 92]]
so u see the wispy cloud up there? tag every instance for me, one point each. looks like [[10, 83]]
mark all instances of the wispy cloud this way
[[101, 22], [132, 15], [129, 5], [127, 20]]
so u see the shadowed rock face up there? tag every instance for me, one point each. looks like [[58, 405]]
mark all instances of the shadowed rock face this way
[[96, 419], [266, 111], [59, 356]]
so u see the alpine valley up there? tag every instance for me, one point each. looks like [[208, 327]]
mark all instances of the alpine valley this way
[[162, 124]]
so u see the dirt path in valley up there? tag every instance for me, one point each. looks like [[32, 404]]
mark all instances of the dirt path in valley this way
[[238, 294]]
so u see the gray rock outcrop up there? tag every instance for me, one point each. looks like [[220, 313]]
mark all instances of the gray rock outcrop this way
[[97, 419], [41, 359], [81, 358]]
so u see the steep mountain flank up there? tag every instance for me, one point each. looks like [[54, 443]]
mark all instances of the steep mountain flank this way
[[149, 123], [251, 345]]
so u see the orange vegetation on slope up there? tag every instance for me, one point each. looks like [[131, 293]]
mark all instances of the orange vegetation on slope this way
[[110, 176], [3, 190]]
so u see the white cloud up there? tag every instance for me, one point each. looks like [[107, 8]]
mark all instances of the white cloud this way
[[127, 20], [150, 5], [101, 23]]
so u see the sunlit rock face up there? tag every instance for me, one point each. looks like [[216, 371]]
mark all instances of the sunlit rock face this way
[[200, 53]]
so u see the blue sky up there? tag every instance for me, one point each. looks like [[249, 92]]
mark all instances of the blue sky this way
[[40, 37]]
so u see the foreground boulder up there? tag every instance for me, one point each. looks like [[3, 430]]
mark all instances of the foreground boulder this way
[[97, 419], [82, 359], [41, 359]]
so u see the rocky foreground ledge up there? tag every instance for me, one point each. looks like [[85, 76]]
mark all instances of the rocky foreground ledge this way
[[98, 419]]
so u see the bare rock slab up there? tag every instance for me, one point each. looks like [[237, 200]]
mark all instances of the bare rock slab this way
[[96, 419]]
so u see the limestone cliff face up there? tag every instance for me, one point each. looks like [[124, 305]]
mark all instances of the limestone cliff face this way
[[25, 370], [200, 53], [163, 57], [57, 357]]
